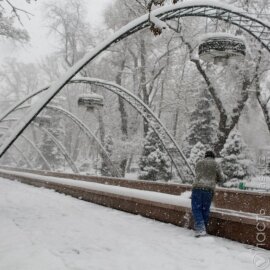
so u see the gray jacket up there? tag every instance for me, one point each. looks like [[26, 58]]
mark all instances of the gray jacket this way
[[208, 174]]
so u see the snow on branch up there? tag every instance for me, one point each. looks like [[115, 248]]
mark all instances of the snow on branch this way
[[156, 25], [17, 10]]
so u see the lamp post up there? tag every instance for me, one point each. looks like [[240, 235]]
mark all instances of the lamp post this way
[[94, 102]]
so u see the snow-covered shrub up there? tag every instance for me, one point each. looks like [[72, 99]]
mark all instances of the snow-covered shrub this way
[[154, 163], [108, 145], [197, 153], [236, 160], [46, 144], [203, 125]]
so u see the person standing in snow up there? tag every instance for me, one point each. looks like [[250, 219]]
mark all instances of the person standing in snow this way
[[208, 174]]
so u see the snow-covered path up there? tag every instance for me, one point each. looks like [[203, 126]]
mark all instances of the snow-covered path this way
[[41, 229]]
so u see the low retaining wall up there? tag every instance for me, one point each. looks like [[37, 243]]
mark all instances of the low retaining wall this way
[[242, 228], [238, 200]]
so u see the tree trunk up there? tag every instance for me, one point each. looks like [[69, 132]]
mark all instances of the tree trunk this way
[[123, 115], [161, 100], [145, 95], [101, 126], [176, 122]]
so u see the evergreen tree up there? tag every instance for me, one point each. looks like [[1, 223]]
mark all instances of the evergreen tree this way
[[197, 153], [108, 145], [203, 125], [53, 123], [49, 150], [154, 162], [265, 170], [236, 160]]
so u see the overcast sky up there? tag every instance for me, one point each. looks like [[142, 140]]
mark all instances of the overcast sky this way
[[40, 44]]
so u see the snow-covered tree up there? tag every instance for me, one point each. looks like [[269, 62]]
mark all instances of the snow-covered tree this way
[[53, 124], [108, 145], [50, 151], [67, 22], [197, 153], [203, 125], [154, 162], [11, 14], [265, 170], [19, 79], [236, 160]]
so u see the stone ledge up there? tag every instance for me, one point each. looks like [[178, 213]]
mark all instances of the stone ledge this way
[[238, 200], [241, 229]]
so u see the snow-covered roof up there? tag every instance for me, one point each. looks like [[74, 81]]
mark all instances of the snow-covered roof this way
[[220, 35]]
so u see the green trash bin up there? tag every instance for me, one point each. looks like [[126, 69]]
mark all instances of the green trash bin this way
[[242, 185]]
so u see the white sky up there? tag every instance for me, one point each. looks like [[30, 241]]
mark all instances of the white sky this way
[[41, 44]]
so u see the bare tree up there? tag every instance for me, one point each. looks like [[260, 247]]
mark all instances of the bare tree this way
[[10, 13], [19, 79], [67, 22]]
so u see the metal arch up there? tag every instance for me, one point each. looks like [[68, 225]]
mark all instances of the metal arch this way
[[89, 134], [36, 148], [9, 111], [24, 156], [202, 8], [57, 143], [59, 146], [177, 157], [10, 120], [170, 145], [71, 116], [42, 156], [39, 152], [13, 158]]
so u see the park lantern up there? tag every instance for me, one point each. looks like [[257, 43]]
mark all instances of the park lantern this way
[[91, 101], [221, 48]]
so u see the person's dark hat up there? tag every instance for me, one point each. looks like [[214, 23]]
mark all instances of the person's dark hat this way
[[210, 154]]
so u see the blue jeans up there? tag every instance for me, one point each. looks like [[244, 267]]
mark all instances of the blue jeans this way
[[201, 201]]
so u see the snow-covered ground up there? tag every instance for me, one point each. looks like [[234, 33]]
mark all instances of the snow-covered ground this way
[[41, 229]]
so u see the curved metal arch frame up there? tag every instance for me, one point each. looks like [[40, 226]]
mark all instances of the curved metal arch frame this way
[[56, 142], [21, 102], [88, 133], [13, 158], [24, 156], [259, 30], [38, 151], [174, 152], [77, 121], [177, 157], [36, 148], [59, 146]]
